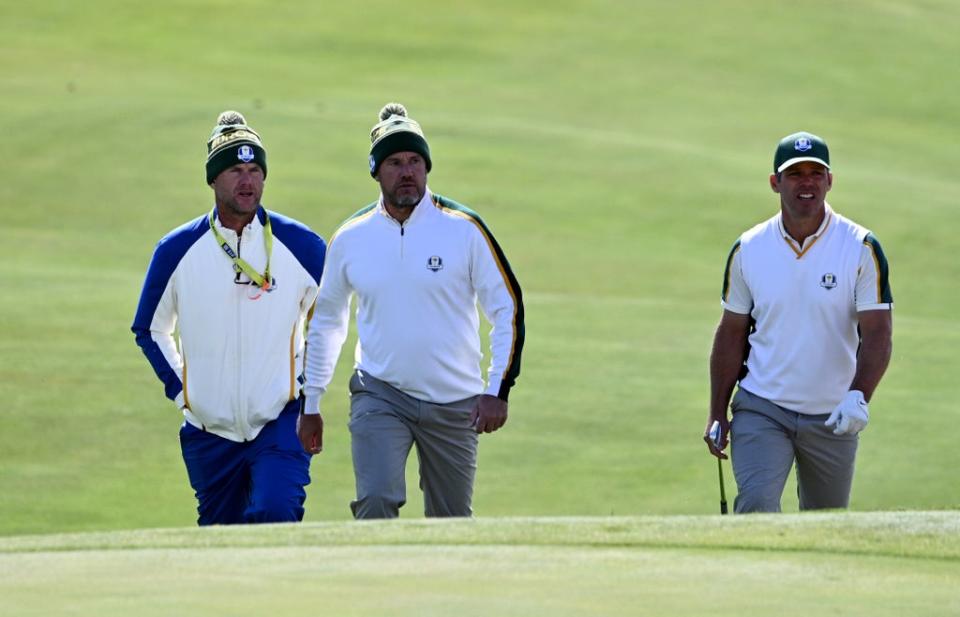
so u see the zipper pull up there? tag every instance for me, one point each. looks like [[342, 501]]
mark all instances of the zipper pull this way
[[236, 268]]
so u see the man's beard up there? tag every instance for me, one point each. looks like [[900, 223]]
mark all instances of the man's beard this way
[[406, 200]]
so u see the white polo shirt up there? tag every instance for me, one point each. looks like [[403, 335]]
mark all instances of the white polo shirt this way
[[804, 302]]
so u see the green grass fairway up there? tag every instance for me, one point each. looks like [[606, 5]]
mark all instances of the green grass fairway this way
[[850, 564], [616, 148]]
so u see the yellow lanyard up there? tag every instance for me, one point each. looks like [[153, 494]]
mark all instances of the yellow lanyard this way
[[239, 265]]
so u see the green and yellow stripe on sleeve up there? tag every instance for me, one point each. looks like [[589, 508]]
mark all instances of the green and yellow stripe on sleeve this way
[[512, 370], [726, 271], [884, 295]]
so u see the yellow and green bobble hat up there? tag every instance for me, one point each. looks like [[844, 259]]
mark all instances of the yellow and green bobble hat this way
[[396, 133], [233, 142]]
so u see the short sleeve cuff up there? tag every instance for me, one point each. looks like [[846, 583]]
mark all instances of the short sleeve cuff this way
[[884, 306], [733, 308]]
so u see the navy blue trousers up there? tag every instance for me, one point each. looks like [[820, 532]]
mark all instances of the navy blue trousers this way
[[259, 481]]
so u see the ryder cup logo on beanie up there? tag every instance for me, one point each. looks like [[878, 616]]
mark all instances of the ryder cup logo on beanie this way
[[245, 154], [230, 141], [800, 147], [396, 133]]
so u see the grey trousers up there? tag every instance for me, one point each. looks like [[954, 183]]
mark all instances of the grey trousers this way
[[766, 439], [384, 424]]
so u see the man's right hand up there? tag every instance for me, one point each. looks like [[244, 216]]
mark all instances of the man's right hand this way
[[310, 432], [716, 442]]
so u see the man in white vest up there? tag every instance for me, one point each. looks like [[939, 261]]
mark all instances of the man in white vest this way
[[806, 332]]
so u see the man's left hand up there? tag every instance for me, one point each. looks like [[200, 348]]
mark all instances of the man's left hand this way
[[851, 415], [489, 414]]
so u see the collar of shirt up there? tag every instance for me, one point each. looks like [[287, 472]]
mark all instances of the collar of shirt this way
[[798, 248], [249, 230], [425, 203]]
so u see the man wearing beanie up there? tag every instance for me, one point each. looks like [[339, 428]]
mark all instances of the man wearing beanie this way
[[418, 263], [806, 333], [221, 319]]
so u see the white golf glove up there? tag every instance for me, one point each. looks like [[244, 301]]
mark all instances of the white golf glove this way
[[851, 415]]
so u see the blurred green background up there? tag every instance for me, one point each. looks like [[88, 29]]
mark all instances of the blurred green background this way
[[616, 149]]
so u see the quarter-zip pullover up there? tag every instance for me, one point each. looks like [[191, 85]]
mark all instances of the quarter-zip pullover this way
[[236, 360], [417, 286]]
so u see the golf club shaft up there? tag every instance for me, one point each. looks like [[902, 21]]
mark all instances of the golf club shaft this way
[[723, 492]]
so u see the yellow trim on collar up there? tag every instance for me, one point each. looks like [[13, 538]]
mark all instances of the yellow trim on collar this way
[[793, 243]]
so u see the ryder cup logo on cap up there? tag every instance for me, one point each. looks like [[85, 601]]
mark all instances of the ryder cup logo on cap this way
[[395, 132], [800, 147], [232, 140]]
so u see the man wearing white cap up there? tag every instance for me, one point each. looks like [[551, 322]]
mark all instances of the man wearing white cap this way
[[806, 332]]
